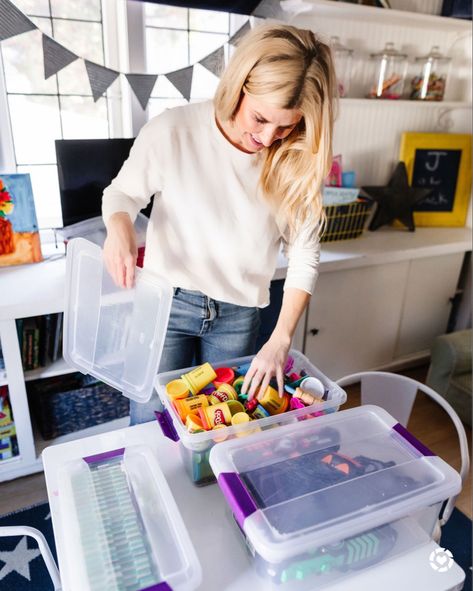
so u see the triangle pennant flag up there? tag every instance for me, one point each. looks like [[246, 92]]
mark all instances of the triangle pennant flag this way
[[55, 57], [142, 85], [100, 78], [269, 9], [182, 80], [13, 21], [214, 61], [240, 33]]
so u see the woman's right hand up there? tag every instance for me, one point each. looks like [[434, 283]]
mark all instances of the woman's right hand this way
[[120, 251]]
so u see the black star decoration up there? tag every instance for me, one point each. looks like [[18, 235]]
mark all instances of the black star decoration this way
[[396, 200]]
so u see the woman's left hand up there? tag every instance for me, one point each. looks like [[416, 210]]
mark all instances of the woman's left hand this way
[[268, 363]]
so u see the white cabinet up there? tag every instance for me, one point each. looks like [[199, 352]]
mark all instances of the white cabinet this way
[[381, 299], [431, 285], [354, 316]]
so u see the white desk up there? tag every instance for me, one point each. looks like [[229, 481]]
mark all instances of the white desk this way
[[225, 563]]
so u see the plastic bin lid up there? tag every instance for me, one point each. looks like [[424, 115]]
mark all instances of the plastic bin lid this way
[[122, 527], [114, 334], [320, 481]]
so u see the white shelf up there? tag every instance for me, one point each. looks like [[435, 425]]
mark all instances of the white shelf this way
[[360, 101], [33, 290], [387, 245], [57, 368], [382, 16]]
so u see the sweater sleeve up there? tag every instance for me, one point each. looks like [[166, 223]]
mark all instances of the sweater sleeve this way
[[303, 253], [140, 177]]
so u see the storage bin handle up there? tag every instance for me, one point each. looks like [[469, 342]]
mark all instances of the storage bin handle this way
[[165, 422]]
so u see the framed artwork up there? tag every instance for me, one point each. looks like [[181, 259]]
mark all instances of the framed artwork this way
[[441, 162], [19, 236]]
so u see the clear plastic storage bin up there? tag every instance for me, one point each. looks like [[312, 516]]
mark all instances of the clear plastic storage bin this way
[[125, 530], [195, 447], [321, 499], [115, 334]]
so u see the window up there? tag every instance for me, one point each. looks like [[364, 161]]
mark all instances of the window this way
[[178, 37], [62, 106], [38, 111]]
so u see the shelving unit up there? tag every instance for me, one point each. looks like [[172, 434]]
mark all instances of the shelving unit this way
[[357, 13], [58, 368]]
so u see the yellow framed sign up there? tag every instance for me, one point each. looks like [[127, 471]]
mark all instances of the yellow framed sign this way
[[442, 162]]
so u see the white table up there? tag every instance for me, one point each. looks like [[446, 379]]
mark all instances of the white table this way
[[225, 562]]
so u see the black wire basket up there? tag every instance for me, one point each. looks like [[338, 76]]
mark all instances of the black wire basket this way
[[346, 221]]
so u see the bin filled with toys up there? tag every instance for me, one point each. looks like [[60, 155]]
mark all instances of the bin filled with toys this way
[[204, 405], [319, 500]]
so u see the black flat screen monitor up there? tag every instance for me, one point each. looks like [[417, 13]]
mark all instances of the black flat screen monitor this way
[[85, 169]]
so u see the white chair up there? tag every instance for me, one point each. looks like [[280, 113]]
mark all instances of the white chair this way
[[24, 530], [396, 394]]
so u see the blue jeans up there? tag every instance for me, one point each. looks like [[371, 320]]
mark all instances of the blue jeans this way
[[200, 329]]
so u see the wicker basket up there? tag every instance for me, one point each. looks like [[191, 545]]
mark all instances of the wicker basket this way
[[346, 221], [72, 402]]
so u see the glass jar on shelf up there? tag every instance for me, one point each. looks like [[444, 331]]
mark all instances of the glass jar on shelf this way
[[388, 72], [342, 60], [429, 84]]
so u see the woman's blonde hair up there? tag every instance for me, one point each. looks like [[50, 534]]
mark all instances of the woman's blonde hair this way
[[288, 68]]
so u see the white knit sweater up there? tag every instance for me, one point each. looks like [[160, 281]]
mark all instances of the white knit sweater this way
[[210, 228]]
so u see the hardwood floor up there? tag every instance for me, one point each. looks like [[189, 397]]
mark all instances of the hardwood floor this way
[[433, 427], [428, 423]]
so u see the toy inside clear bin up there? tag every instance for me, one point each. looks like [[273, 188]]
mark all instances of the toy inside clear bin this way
[[322, 499], [195, 447], [332, 562], [126, 532]]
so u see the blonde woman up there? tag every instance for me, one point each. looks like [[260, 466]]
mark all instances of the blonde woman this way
[[234, 178]]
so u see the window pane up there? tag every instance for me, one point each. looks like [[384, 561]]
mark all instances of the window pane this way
[[204, 83], [201, 44], [73, 79], [88, 10], [43, 24], [164, 89], [83, 39], [45, 184], [208, 20], [157, 106], [37, 7], [24, 66], [165, 16], [82, 118], [166, 50], [35, 124]]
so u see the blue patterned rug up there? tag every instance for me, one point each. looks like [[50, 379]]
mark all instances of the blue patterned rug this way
[[23, 569]]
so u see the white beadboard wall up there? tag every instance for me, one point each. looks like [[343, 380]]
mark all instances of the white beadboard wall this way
[[366, 37], [368, 131]]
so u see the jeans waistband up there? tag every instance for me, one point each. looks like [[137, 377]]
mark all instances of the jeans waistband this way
[[193, 292]]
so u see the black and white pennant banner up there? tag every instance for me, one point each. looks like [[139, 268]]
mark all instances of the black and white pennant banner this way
[[13, 21], [182, 80], [142, 85], [56, 57], [240, 33], [215, 62], [100, 78]]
